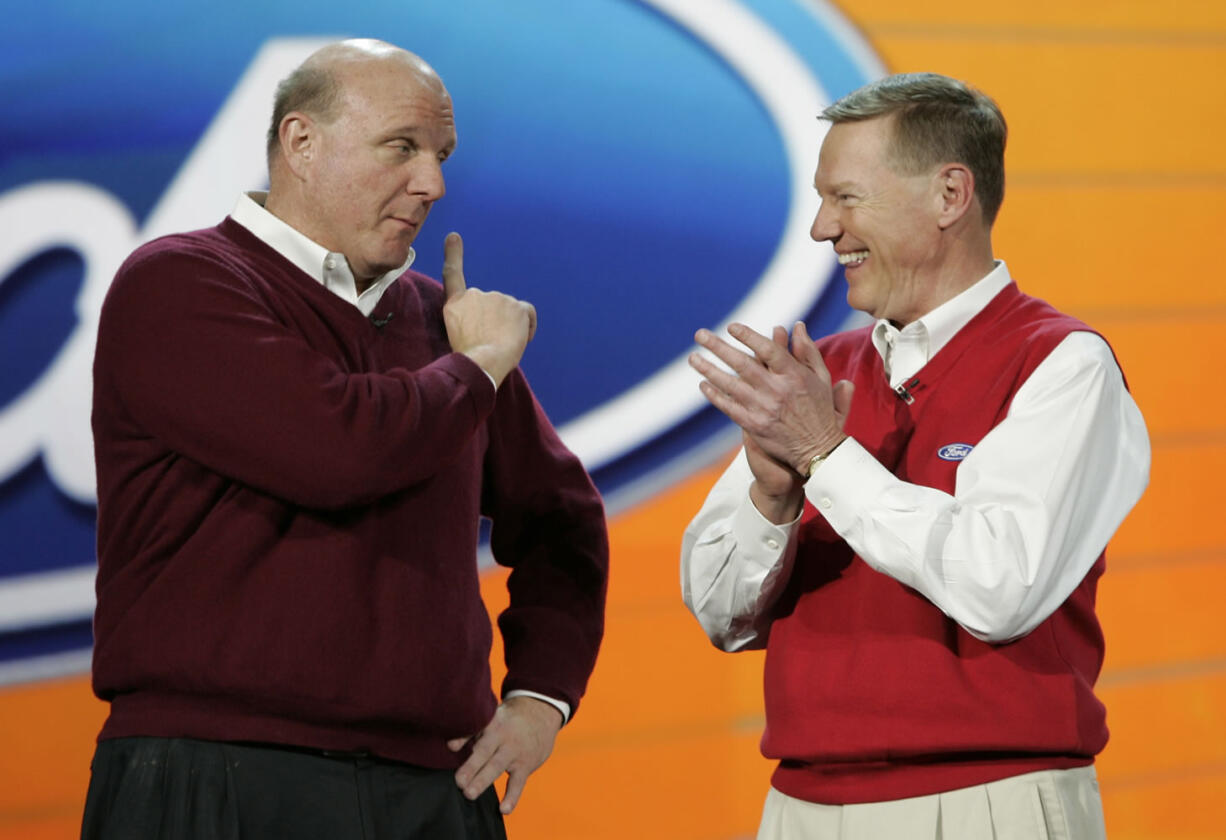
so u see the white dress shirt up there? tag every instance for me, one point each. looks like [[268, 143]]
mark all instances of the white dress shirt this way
[[1033, 506], [331, 269]]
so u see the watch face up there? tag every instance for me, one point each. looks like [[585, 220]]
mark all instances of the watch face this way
[[813, 462]]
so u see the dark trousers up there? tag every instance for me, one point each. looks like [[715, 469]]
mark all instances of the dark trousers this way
[[183, 789]]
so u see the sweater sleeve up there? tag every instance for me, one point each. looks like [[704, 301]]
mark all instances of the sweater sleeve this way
[[549, 528], [195, 359]]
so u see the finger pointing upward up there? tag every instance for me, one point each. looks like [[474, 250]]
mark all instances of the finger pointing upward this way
[[453, 265]]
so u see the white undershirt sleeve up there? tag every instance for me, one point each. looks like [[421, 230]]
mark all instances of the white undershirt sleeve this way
[[734, 563], [561, 705]]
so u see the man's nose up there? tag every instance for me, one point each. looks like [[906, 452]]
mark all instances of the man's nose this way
[[826, 227], [427, 180]]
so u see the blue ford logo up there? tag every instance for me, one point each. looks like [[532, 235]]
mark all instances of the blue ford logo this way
[[635, 168], [954, 451]]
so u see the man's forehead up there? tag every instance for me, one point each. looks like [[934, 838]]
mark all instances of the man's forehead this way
[[396, 96], [836, 168]]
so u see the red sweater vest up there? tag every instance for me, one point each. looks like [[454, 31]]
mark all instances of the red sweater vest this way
[[872, 693]]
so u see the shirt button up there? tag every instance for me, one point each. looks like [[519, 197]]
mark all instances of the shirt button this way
[[329, 263], [772, 544], [826, 504]]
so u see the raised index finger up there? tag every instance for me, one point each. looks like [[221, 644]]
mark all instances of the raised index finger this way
[[453, 265]]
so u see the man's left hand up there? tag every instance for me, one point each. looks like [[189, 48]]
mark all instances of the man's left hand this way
[[516, 741]]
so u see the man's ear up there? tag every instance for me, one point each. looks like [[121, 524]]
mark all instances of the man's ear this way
[[956, 191], [299, 141]]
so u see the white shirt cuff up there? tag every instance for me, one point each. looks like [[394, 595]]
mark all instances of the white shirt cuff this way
[[757, 538], [848, 481], [560, 705]]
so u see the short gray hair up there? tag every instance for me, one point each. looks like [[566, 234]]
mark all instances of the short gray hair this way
[[936, 120], [313, 89]]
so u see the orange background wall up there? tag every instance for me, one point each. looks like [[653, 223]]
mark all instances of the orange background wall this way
[[1115, 207]]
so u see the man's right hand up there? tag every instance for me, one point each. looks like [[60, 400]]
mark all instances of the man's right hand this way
[[490, 328], [778, 490]]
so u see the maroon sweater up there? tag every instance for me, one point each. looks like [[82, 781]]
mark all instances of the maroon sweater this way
[[288, 504], [872, 693]]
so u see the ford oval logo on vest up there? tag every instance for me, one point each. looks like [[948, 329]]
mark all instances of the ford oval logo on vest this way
[[635, 169], [954, 451]]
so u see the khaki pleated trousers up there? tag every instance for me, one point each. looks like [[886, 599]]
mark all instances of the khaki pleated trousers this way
[[1047, 805]]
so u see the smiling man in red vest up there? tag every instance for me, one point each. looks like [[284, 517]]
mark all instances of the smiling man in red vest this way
[[915, 527]]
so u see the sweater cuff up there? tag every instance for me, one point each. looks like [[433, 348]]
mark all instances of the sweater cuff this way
[[475, 378]]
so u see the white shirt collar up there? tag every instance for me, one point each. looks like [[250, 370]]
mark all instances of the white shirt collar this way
[[329, 268], [925, 336]]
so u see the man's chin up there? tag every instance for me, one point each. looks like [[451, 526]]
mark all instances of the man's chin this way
[[858, 302], [389, 261]]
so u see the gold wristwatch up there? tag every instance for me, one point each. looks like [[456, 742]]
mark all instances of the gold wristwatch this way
[[816, 460]]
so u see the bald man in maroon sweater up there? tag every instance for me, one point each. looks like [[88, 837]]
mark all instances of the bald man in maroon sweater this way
[[296, 436]]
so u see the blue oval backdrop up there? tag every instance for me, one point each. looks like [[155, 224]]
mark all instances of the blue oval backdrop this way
[[635, 169]]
